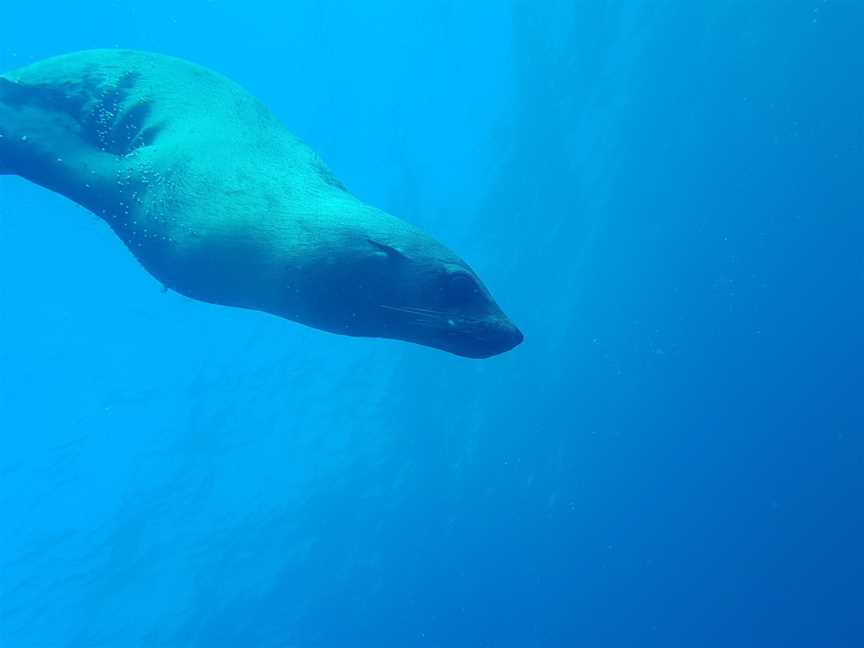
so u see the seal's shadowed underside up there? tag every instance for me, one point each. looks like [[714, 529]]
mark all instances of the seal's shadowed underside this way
[[222, 204]]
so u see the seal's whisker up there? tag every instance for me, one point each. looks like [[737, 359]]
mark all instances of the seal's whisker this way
[[422, 317], [407, 308], [414, 311], [434, 318]]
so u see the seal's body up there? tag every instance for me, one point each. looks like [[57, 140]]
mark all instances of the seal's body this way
[[222, 204]]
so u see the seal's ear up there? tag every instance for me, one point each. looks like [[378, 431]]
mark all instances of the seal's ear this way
[[389, 250], [12, 93], [6, 85]]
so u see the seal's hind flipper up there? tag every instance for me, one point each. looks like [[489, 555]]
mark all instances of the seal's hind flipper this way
[[30, 127], [42, 140], [10, 94], [5, 166]]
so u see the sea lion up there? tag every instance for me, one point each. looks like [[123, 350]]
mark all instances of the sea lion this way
[[222, 204]]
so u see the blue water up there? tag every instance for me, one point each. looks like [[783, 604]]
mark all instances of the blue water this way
[[666, 197]]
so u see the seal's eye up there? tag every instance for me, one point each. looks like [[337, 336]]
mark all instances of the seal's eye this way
[[461, 289]]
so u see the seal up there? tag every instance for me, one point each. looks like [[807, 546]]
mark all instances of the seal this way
[[221, 203]]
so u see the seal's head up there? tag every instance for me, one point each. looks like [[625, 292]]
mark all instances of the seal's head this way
[[391, 280]]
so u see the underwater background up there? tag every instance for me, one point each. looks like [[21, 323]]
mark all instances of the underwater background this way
[[665, 196]]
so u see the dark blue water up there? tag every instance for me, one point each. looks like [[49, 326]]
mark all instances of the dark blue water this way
[[665, 196]]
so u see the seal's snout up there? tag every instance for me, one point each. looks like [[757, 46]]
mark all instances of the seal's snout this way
[[514, 338], [505, 337], [493, 339]]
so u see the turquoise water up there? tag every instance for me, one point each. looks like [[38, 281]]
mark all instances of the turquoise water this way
[[666, 197]]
